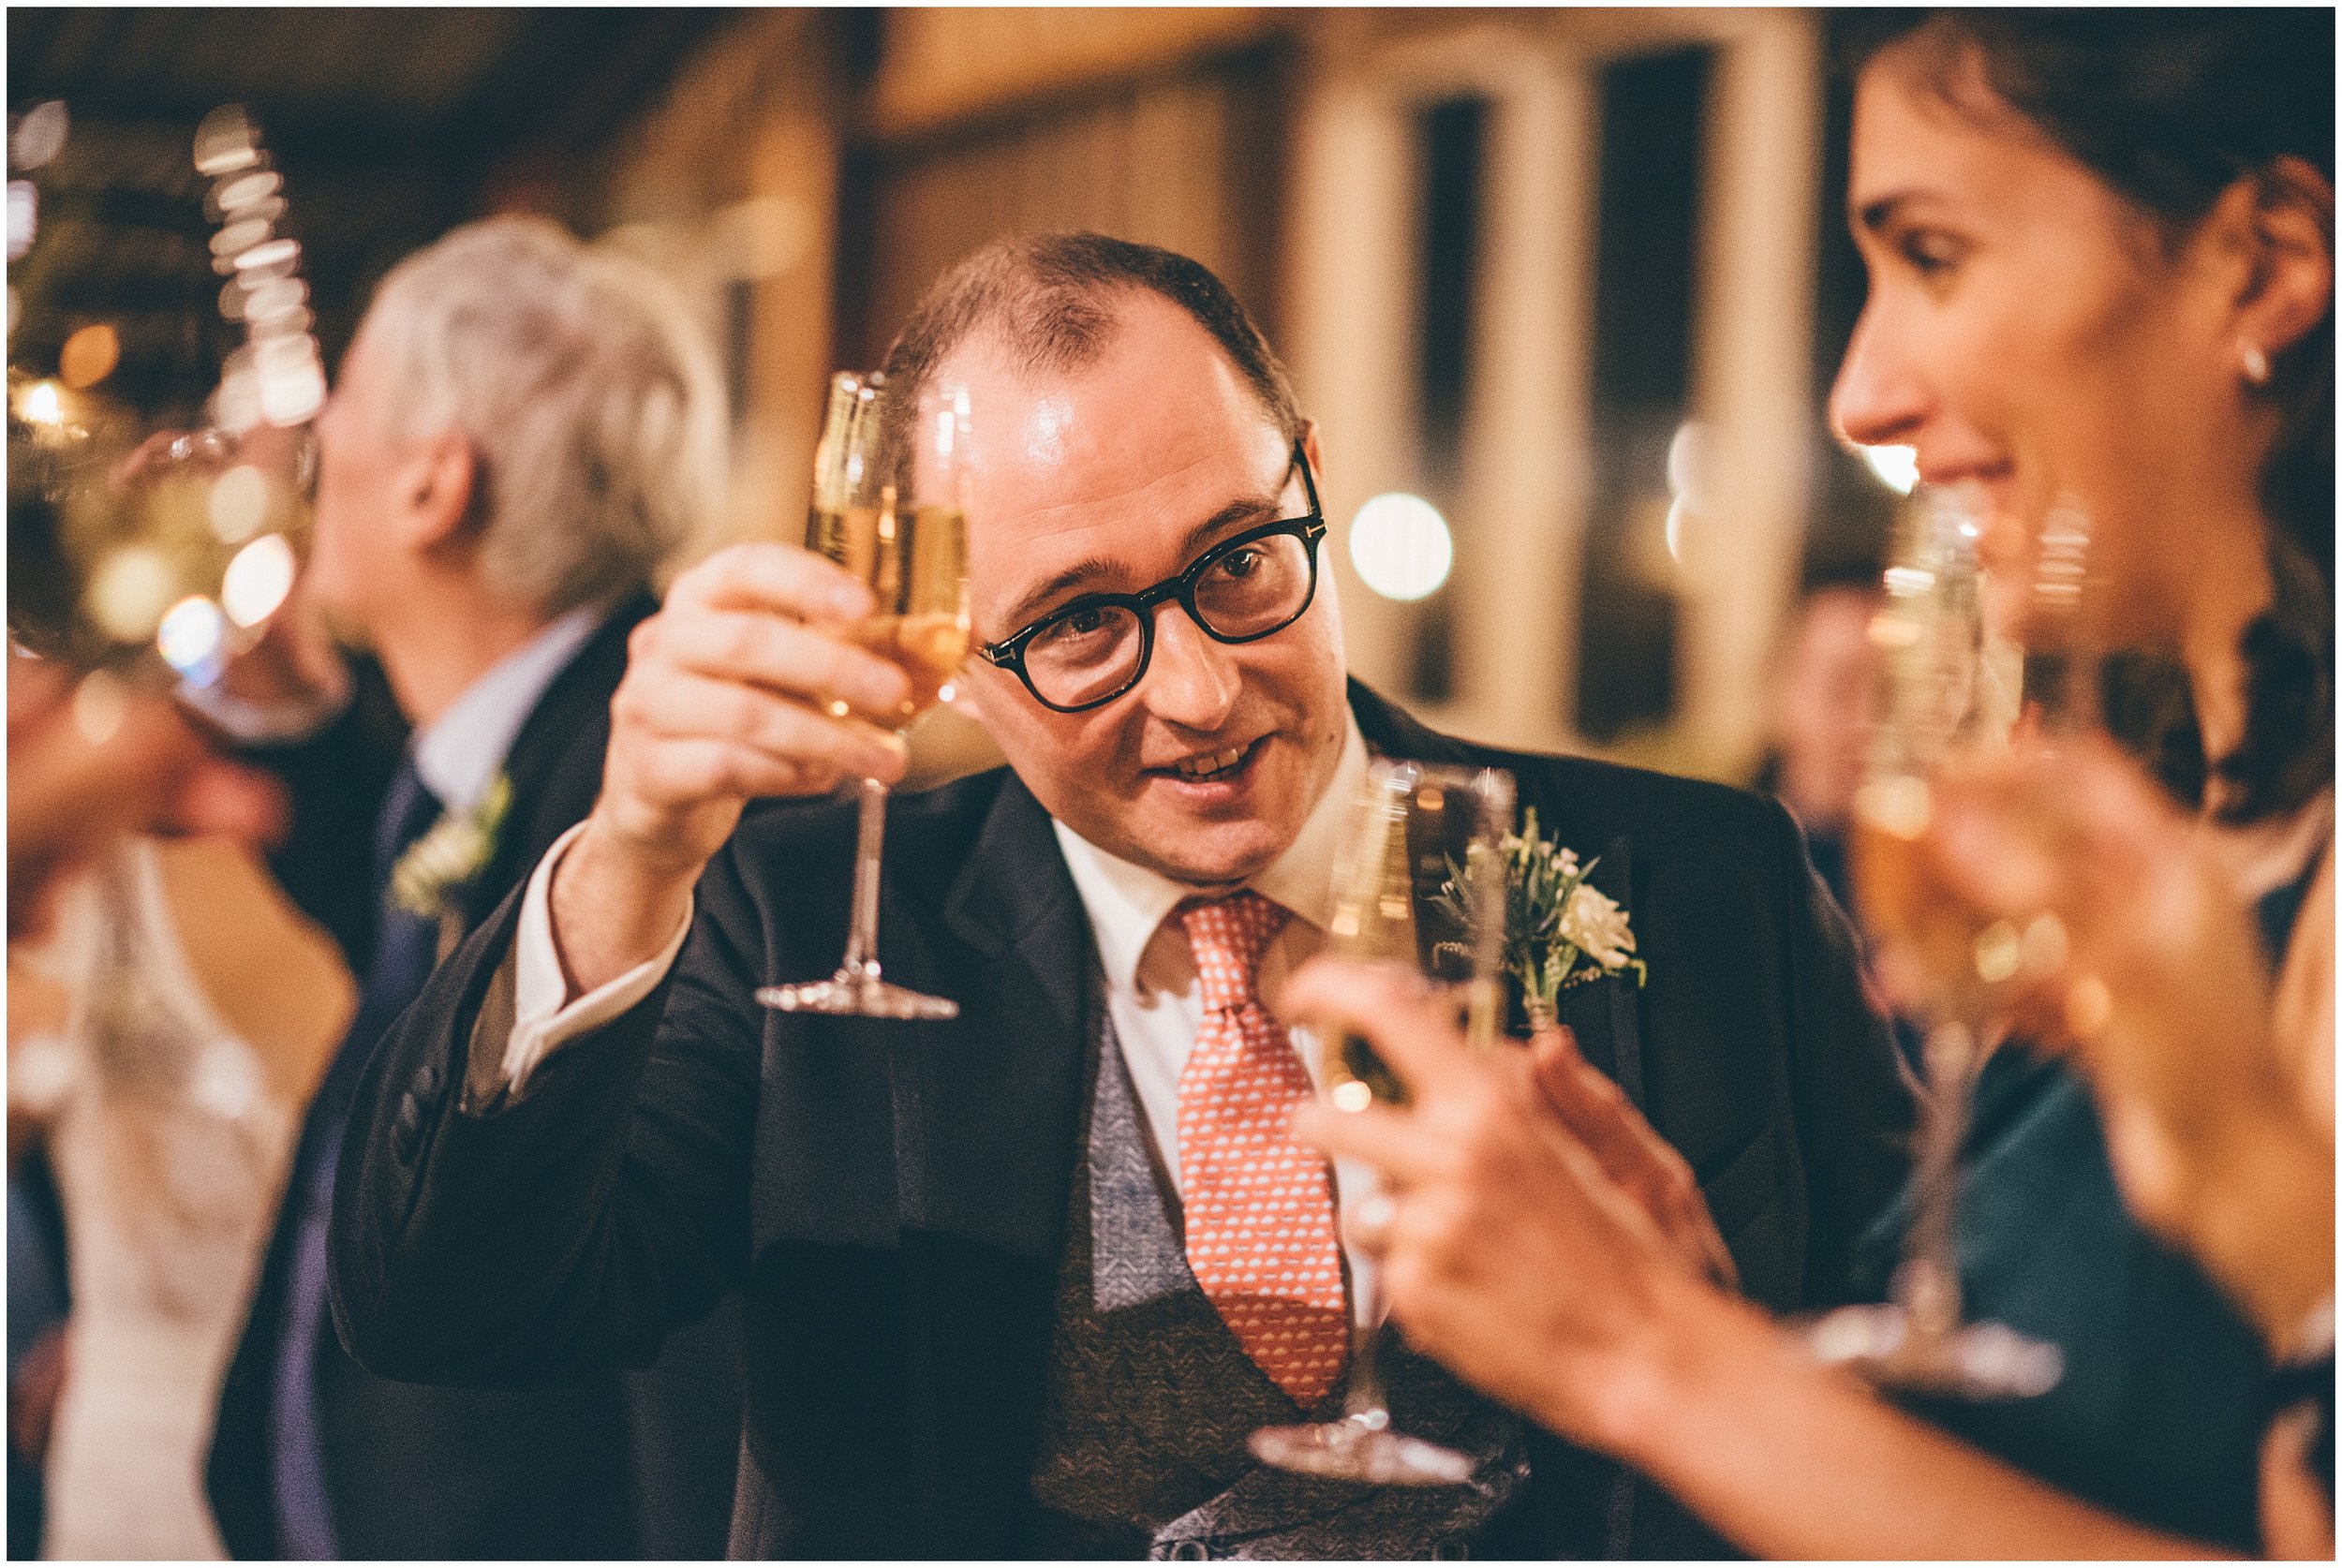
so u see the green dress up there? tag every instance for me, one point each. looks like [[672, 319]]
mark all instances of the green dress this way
[[2166, 1389]]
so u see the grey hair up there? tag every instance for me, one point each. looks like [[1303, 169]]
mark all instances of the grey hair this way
[[589, 396]]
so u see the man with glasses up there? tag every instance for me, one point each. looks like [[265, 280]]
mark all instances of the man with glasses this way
[[1022, 1283]]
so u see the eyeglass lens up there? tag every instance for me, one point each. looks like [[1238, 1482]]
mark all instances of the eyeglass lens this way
[[1093, 651]]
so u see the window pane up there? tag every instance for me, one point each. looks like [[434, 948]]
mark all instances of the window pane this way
[[1646, 303]]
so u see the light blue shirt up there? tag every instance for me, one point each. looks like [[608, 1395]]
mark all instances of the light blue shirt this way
[[462, 752]]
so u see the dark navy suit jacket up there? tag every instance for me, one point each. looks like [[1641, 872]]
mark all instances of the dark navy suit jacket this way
[[893, 1196]]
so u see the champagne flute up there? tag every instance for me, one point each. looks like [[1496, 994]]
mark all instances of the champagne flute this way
[[1419, 880], [890, 506], [1946, 701]]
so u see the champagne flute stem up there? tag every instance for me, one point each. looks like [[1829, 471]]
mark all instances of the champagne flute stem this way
[[1929, 1284], [1364, 1401], [870, 842]]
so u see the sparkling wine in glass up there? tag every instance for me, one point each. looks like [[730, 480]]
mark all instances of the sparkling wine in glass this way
[[1418, 882], [890, 506], [1947, 701]]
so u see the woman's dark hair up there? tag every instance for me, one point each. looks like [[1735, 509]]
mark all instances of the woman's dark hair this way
[[2170, 107]]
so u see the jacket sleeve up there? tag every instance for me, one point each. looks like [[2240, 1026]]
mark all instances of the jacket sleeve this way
[[1853, 1100], [571, 1229]]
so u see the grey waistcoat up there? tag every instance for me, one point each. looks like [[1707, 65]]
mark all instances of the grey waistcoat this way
[[1150, 1398]]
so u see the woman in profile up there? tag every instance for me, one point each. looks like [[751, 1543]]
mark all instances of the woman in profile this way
[[2100, 251]]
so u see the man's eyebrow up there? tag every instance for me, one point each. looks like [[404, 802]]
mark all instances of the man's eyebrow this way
[[1243, 510]]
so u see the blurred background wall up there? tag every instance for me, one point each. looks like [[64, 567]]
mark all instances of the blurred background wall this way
[[1564, 288]]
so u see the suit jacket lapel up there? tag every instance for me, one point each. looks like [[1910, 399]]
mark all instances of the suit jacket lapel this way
[[1391, 732], [1604, 1013], [988, 1109]]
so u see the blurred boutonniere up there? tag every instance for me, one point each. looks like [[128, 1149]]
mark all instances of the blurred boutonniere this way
[[457, 848], [1560, 930]]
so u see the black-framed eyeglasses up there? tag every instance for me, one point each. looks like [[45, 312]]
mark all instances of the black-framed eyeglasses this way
[[1247, 586]]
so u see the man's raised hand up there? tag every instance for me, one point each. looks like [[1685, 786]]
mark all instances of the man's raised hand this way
[[745, 685]]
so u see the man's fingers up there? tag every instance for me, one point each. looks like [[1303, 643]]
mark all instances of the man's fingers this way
[[781, 654], [686, 707], [1411, 1026], [689, 772], [775, 579]]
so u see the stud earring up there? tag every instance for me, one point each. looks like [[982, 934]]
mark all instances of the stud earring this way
[[2256, 365]]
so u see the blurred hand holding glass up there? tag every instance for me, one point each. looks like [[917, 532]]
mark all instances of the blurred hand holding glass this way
[[1952, 699], [1418, 883]]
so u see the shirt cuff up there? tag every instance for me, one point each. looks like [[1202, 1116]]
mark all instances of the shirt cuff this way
[[545, 1017]]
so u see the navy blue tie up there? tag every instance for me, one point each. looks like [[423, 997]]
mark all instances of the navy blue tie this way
[[404, 952]]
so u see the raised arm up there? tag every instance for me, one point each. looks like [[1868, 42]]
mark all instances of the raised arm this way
[[524, 1195], [570, 1227]]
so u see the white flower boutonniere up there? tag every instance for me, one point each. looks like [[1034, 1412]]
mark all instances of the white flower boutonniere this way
[[457, 849], [1560, 930]]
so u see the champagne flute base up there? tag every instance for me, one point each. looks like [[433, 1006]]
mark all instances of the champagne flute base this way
[[1354, 1450], [1975, 1361], [847, 995]]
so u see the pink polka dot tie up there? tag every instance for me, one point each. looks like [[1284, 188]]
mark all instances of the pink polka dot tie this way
[[1261, 1233]]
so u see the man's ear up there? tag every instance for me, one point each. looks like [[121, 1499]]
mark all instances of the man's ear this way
[[1313, 452], [2291, 288], [437, 481]]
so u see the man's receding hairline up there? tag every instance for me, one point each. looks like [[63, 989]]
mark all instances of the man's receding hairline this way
[[990, 340]]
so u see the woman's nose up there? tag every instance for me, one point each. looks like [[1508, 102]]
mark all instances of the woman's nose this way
[[1876, 401]]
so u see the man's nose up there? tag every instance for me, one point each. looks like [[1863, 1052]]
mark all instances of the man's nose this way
[[1191, 681], [1876, 401]]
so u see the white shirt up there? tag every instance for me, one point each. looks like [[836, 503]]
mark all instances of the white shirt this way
[[1153, 991]]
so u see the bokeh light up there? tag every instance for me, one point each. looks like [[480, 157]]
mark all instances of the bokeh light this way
[[40, 136], [1897, 467], [128, 592], [245, 191], [191, 637], [1400, 546], [223, 141], [239, 504], [41, 404], [24, 218], [89, 356], [258, 580]]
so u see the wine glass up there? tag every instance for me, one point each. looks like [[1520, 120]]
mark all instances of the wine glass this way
[[890, 506], [1417, 881], [165, 562], [1950, 696]]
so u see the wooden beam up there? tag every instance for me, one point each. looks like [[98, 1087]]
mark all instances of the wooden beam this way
[[944, 66]]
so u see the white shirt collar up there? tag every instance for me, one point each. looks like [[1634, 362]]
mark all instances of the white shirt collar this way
[[1128, 903], [464, 749]]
